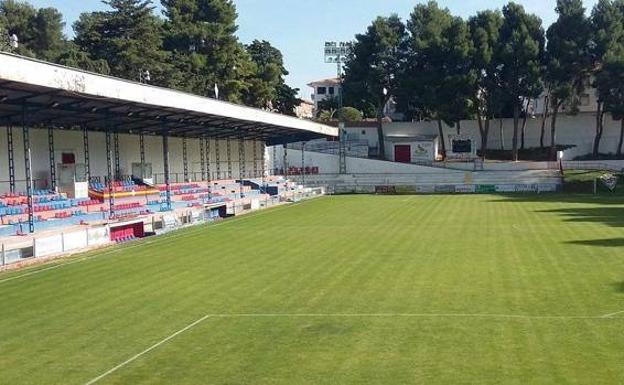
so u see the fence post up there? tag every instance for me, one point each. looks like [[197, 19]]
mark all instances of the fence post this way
[[63, 241], [3, 256]]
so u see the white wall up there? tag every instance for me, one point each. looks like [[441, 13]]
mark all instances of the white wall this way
[[72, 141], [578, 130], [329, 163]]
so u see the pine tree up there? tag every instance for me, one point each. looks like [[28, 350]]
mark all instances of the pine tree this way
[[200, 34], [40, 31], [519, 54], [607, 21], [373, 71], [487, 94], [128, 37], [568, 60], [440, 78]]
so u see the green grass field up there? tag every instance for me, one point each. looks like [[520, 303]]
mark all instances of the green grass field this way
[[341, 290]]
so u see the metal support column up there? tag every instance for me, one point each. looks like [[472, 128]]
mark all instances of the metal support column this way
[[343, 149], [242, 166], [228, 152], [303, 172], [166, 165], [274, 160], [285, 160], [185, 161], [117, 167], [11, 151], [202, 158], [263, 160], [242, 162], [28, 171], [142, 151], [207, 144], [87, 160], [255, 158], [109, 175], [52, 159], [218, 158]]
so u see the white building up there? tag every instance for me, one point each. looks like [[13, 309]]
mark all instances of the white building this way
[[325, 89]]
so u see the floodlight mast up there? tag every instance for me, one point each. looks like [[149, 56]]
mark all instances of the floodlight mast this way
[[337, 52]]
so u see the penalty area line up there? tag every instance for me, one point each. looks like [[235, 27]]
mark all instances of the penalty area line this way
[[138, 355], [613, 314]]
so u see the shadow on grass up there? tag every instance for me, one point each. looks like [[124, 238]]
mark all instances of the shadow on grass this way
[[583, 208], [618, 287], [615, 242], [603, 209], [601, 199]]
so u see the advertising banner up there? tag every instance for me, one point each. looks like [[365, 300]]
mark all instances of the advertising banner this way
[[48, 246], [465, 189], [76, 240], [98, 236]]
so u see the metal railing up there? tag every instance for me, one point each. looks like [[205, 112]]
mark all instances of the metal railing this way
[[591, 166]]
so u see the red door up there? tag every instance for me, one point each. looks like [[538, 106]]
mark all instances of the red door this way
[[403, 153]]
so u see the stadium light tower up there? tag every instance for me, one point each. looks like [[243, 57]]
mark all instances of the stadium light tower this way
[[337, 53]]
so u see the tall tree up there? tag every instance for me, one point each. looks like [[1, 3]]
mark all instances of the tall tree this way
[[128, 37], [519, 54], [373, 70], [607, 21], [568, 60], [72, 56], [201, 36], [48, 41], [269, 69], [40, 31], [267, 85], [610, 85], [487, 93], [439, 72], [287, 100]]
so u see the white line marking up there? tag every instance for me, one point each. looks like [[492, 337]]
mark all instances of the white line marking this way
[[405, 315], [180, 233], [129, 360], [613, 314], [342, 315]]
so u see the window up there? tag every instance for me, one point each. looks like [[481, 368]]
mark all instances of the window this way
[[584, 100], [321, 90], [363, 132], [68, 158], [331, 90]]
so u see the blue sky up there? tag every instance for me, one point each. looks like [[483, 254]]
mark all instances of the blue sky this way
[[299, 27]]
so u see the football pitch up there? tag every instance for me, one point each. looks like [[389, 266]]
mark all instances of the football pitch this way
[[486, 289]]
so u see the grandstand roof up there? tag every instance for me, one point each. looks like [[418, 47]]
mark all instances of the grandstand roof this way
[[69, 98]]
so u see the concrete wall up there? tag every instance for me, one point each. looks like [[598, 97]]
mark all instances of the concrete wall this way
[[72, 141], [329, 164], [578, 130]]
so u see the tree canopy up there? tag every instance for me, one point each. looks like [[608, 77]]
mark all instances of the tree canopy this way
[[373, 72]]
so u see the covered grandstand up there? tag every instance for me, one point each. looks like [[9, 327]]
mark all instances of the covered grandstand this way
[[81, 146]]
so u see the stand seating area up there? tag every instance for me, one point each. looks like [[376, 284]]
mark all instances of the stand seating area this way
[[119, 186], [46, 205], [56, 210]]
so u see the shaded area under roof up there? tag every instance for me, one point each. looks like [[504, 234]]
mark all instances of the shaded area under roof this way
[[50, 95]]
